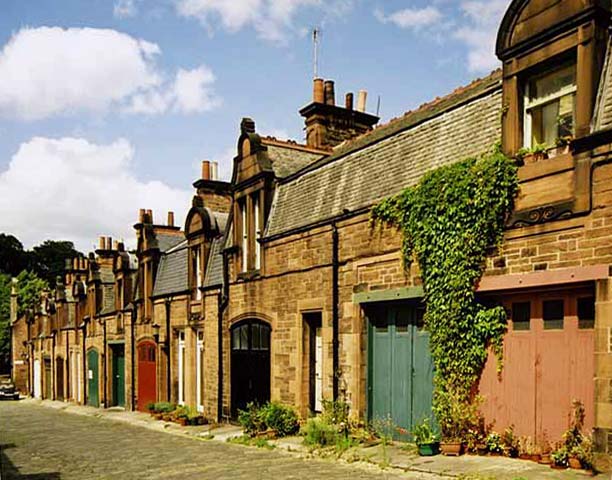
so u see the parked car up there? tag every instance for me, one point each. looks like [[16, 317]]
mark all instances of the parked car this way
[[7, 389]]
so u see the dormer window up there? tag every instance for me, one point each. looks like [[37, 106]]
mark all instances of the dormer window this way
[[197, 271], [245, 236], [550, 106], [257, 223]]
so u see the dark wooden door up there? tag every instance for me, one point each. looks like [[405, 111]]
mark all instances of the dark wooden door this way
[[48, 376], [59, 378], [147, 375], [250, 369], [118, 381], [93, 396]]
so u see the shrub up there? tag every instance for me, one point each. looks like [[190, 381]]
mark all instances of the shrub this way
[[150, 407], [423, 433], [494, 443], [335, 412], [164, 407], [281, 418], [317, 432], [272, 415], [510, 442]]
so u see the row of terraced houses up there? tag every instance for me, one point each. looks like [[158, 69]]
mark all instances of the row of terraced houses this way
[[277, 288]]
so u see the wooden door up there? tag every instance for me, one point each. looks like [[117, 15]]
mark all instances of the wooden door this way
[[548, 362], [93, 394], [48, 382], [400, 368], [250, 368], [59, 378], [118, 373], [147, 375]]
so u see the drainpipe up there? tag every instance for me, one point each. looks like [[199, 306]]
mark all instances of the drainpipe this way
[[335, 312], [134, 315], [84, 361], [67, 369], [222, 303], [53, 365], [104, 379], [168, 362]]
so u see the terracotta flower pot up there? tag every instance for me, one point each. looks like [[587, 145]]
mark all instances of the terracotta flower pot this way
[[535, 457], [451, 448], [557, 467], [524, 456], [545, 459], [575, 463], [481, 449]]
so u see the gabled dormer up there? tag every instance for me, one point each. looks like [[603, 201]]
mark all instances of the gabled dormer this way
[[552, 53]]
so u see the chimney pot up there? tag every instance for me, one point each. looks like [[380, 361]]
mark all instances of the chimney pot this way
[[171, 219], [120, 247], [75, 262], [214, 171], [318, 95], [116, 245], [109, 243], [205, 170], [330, 94], [349, 101], [361, 102], [141, 215], [101, 244], [150, 216]]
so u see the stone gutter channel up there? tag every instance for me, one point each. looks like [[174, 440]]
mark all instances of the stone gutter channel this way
[[392, 458]]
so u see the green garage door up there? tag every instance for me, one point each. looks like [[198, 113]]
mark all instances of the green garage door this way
[[400, 368]]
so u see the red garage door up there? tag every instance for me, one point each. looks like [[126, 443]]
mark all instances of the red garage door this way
[[147, 375], [548, 362]]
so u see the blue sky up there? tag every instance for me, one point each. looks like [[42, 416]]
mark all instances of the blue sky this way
[[109, 105]]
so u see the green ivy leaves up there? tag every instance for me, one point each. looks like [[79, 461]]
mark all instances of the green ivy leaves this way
[[449, 221]]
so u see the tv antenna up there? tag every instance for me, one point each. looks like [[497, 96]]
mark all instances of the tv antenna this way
[[316, 34]]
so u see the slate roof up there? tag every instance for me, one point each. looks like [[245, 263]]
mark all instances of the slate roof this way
[[172, 272], [166, 242], [108, 299], [602, 119], [213, 276], [288, 158], [383, 162]]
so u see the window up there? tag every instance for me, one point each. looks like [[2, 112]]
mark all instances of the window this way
[[245, 236], [197, 272], [257, 232], [521, 315], [553, 314], [550, 105], [586, 312]]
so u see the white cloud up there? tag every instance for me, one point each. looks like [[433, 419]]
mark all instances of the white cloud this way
[[125, 8], [479, 32], [50, 71], [72, 189], [271, 19], [412, 18]]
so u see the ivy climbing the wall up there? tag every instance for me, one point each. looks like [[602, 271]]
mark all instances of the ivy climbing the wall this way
[[449, 221]]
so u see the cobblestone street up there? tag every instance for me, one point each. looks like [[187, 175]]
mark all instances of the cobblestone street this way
[[41, 443]]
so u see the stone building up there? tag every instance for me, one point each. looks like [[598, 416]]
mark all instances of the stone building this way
[[278, 288]]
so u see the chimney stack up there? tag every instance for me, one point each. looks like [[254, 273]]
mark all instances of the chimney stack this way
[[318, 95], [205, 170], [348, 104], [330, 94], [171, 219], [361, 101]]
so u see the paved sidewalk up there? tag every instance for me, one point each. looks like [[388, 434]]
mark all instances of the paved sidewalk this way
[[396, 457]]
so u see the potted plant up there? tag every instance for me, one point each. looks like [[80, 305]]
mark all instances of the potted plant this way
[[562, 145], [426, 439], [494, 444], [538, 153], [544, 448], [181, 415], [560, 458], [524, 448], [584, 454], [510, 442]]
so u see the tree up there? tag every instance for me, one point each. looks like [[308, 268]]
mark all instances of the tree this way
[[48, 259], [12, 256], [5, 318]]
